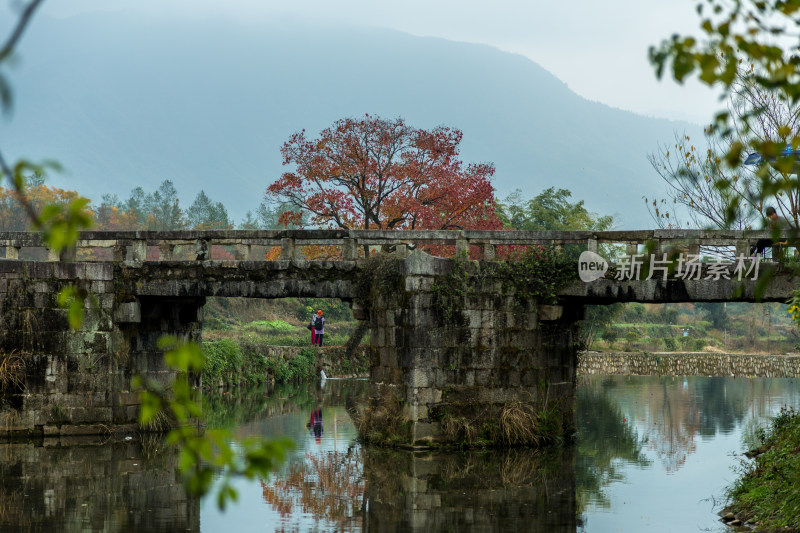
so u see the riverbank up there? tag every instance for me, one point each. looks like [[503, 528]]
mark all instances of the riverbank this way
[[767, 496], [232, 362], [688, 364]]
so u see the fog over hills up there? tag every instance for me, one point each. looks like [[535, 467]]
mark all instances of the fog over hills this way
[[123, 101]]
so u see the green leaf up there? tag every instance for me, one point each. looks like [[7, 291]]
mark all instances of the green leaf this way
[[73, 300]]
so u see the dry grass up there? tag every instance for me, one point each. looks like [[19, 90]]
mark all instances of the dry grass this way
[[383, 422], [12, 372], [29, 325], [11, 419], [519, 424], [516, 423], [151, 444], [460, 429], [11, 505], [161, 423]]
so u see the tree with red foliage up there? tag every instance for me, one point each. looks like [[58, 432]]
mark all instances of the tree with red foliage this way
[[374, 173]]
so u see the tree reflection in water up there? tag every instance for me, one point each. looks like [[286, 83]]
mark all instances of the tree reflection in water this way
[[328, 485], [378, 489], [606, 443]]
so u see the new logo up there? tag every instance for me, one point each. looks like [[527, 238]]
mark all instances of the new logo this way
[[591, 266]]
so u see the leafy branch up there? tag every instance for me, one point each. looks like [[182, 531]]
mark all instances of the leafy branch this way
[[201, 454]]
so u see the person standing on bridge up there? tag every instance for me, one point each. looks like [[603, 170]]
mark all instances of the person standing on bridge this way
[[762, 244], [319, 327], [310, 327]]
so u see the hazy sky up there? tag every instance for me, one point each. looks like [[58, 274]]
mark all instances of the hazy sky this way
[[599, 48]]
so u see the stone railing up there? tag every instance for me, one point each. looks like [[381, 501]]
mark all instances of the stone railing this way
[[197, 245]]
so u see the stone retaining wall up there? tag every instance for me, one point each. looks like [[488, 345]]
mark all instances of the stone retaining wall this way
[[334, 360], [688, 364]]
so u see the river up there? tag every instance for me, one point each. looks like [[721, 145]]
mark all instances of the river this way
[[651, 454]]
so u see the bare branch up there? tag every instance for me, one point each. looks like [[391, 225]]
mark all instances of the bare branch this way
[[16, 34]]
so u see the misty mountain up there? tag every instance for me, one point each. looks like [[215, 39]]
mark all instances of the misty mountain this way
[[123, 101]]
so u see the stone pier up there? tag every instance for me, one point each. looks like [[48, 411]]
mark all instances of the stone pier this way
[[77, 382], [482, 368]]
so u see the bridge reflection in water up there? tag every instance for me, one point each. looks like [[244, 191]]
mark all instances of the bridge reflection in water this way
[[636, 436], [85, 484]]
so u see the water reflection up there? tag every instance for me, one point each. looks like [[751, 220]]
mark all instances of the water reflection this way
[[670, 414], [84, 485], [607, 444], [512, 490], [667, 444], [650, 454], [315, 424], [330, 486]]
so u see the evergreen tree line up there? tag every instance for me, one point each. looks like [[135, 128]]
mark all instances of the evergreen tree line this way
[[160, 209]]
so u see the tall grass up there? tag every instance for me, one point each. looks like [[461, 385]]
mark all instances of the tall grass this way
[[12, 371], [247, 362]]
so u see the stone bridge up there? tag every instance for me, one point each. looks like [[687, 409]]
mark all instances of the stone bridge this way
[[443, 370]]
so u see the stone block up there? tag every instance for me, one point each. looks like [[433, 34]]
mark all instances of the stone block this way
[[413, 484], [42, 299], [483, 359], [484, 378], [82, 429], [37, 269], [529, 377], [99, 271], [132, 413], [128, 312], [473, 317], [129, 398], [422, 300], [378, 337], [105, 301], [41, 287], [379, 374], [419, 378], [489, 320], [440, 378], [426, 431], [424, 396], [550, 313], [69, 271], [101, 287], [511, 378], [388, 357], [418, 284]]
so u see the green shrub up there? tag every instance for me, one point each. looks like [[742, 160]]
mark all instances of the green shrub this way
[[222, 357], [610, 335], [767, 493], [270, 325]]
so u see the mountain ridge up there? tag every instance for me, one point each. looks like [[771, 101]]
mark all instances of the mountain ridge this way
[[129, 101]]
